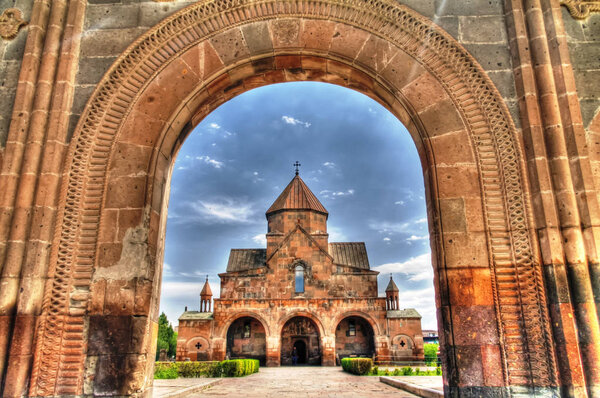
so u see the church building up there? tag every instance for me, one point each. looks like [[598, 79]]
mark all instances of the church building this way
[[301, 292]]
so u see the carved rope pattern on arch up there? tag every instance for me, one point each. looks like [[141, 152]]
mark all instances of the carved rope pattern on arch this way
[[522, 319]]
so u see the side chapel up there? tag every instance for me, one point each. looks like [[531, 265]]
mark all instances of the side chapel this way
[[301, 292]]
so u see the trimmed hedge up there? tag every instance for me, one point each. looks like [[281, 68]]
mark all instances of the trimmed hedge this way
[[229, 368], [357, 366]]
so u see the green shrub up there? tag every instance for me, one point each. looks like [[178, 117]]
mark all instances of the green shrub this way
[[438, 371], [199, 369], [357, 366], [239, 367], [407, 371], [229, 368], [165, 370], [430, 350]]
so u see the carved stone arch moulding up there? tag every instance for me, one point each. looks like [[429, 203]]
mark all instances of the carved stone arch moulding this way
[[356, 314], [513, 250]]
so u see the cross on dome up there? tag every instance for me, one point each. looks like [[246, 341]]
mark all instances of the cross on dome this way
[[296, 165]]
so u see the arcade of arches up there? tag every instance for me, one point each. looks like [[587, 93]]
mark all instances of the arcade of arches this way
[[499, 97]]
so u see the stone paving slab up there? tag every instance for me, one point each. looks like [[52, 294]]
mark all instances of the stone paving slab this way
[[423, 386], [310, 382], [434, 382], [181, 387]]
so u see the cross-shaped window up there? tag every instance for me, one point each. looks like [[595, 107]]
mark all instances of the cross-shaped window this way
[[402, 343], [198, 345]]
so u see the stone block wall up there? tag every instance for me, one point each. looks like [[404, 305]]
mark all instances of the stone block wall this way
[[112, 25], [583, 38], [11, 53]]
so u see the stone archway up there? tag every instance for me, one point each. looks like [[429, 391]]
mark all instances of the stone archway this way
[[247, 338], [301, 334], [105, 272], [354, 337]]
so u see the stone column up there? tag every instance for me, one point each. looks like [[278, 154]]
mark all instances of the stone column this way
[[11, 166], [558, 166], [328, 350], [273, 350], [36, 256]]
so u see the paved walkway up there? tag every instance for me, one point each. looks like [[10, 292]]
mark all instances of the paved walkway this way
[[296, 382], [434, 382], [181, 387]]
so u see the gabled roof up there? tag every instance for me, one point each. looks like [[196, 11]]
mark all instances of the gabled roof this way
[[195, 316], [406, 313], [310, 238], [297, 196], [353, 254], [245, 259], [391, 287]]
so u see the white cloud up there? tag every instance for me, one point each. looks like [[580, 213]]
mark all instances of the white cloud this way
[[214, 126], [386, 239], [326, 193], [413, 238], [400, 202], [260, 239], [294, 122], [421, 220], [255, 173], [416, 268], [167, 270], [210, 161], [390, 227], [329, 164], [225, 210], [336, 234]]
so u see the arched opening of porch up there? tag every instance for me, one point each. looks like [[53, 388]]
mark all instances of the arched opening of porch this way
[[354, 338], [300, 342], [246, 338]]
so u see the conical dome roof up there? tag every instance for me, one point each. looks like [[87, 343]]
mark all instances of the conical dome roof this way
[[206, 289], [297, 196], [391, 287]]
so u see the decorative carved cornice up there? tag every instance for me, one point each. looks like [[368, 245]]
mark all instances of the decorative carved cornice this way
[[581, 9], [11, 21]]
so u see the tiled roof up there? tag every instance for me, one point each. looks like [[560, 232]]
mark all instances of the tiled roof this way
[[195, 315], [353, 254], [206, 289], [391, 287], [297, 196], [245, 259], [406, 313]]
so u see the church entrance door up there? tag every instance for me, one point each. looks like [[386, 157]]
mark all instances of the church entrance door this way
[[300, 347], [302, 333]]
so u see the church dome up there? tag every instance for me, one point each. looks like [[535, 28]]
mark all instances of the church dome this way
[[297, 196]]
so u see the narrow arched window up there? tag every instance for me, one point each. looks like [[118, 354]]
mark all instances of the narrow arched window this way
[[299, 279]]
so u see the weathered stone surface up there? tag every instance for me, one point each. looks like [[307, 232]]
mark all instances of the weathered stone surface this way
[[486, 236]]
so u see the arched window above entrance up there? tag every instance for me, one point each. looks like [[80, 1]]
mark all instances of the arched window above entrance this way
[[299, 279]]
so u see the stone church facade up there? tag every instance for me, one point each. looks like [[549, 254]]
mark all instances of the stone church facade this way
[[501, 98], [301, 292]]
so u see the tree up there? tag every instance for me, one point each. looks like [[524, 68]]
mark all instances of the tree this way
[[167, 338], [431, 353]]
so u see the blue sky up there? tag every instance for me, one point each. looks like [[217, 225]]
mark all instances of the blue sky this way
[[356, 157]]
